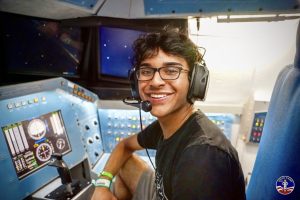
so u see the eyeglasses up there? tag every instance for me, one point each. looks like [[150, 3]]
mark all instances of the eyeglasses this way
[[165, 73]]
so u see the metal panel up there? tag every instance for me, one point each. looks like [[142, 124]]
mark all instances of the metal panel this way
[[167, 7], [82, 3], [29, 101]]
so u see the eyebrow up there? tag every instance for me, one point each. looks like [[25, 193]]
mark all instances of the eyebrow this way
[[164, 64]]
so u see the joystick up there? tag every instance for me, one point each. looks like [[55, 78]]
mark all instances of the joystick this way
[[63, 171]]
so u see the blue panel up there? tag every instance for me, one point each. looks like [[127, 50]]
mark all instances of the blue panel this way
[[27, 102], [117, 124], [224, 122], [82, 3], [155, 7]]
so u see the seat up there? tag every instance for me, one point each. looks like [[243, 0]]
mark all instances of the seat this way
[[279, 150]]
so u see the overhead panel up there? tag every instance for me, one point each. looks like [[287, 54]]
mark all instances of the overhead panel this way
[[210, 7], [90, 4]]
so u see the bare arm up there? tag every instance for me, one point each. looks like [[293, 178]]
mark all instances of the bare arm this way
[[121, 153], [117, 159]]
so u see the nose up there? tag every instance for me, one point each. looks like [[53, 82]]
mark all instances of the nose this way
[[157, 80]]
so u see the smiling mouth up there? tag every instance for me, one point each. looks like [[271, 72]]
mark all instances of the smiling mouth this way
[[158, 96]]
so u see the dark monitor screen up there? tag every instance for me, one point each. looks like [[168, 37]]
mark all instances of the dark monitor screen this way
[[40, 47], [116, 54], [32, 142]]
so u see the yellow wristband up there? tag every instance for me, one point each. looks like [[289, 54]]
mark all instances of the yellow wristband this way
[[107, 174]]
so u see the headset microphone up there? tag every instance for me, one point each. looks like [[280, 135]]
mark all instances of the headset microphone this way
[[144, 105]]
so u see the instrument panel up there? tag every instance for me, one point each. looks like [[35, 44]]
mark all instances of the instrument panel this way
[[32, 142], [117, 124], [39, 119]]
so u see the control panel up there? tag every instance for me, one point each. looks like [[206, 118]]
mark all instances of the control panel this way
[[117, 124], [41, 119], [223, 121], [257, 127], [253, 120], [32, 142]]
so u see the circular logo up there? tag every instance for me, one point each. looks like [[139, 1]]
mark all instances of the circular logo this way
[[285, 185]]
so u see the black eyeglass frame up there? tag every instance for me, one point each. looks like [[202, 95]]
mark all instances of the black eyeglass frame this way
[[154, 70]]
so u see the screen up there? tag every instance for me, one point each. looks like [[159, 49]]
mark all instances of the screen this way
[[40, 47], [116, 52], [32, 142]]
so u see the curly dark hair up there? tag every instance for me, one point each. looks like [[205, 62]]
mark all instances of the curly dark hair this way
[[169, 40]]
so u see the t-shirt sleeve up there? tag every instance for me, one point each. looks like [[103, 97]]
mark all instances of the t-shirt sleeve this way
[[206, 172], [149, 137]]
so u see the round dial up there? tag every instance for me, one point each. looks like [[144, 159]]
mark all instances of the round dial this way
[[36, 129], [44, 152], [60, 143]]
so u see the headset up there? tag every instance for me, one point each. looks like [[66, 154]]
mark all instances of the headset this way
[[198, 77]]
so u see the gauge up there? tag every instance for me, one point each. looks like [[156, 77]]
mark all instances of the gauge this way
[[44, 152], [36, 129], [60, 143]]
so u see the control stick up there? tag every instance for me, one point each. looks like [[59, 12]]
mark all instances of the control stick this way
[[63, 171]]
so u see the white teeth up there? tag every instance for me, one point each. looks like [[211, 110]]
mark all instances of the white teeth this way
[[158, 95]]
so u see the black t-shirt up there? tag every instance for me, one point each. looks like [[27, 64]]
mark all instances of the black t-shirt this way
[[196, 163]]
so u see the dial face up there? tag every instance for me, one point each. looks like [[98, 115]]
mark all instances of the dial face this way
[[36, 129], [60, 143], [44, 152]]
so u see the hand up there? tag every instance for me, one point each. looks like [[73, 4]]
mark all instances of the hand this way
[[103, 193]]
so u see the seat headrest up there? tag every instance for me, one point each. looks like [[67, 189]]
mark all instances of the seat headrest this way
[[297, 56]]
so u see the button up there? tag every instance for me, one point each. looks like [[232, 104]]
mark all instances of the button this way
[[18, 104], [10, 105]]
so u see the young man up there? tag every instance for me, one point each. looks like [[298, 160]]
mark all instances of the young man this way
[[194, 160]]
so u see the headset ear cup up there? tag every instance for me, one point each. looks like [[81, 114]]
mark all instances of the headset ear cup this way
[[198, 83], [192, 82], [134, 84]]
